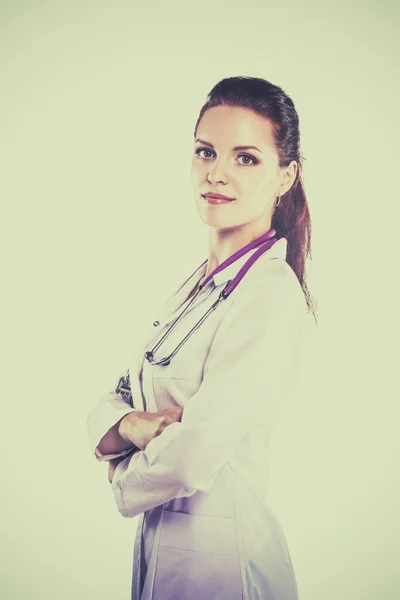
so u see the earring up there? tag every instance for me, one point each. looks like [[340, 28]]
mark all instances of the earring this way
[[279, 199]]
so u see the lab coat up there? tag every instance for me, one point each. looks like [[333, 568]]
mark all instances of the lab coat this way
[[205, 529]]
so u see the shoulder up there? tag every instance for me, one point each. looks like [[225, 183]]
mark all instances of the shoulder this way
[[267, 305], [271, 284]]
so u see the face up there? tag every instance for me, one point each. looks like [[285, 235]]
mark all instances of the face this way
[[251, 176]]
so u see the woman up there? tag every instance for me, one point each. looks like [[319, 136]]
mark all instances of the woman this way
[[187, 438]]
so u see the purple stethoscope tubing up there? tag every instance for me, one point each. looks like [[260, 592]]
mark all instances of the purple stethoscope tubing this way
[[265, 242]]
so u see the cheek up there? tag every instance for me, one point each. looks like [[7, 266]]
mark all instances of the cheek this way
[[197, 170], [261, 183], [247, 184]]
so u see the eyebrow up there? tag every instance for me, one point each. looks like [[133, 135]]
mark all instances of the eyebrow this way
[[235, 148]]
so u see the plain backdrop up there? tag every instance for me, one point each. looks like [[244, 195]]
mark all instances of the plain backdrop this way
[[98, 105]]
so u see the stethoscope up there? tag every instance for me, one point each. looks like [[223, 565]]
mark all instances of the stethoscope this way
[[266, 240]]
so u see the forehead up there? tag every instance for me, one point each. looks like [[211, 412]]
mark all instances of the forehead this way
[[234, 126]]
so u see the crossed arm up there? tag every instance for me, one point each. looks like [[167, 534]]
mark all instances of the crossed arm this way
[[133, 431], [115, 440], [112, 465], [248, 376]]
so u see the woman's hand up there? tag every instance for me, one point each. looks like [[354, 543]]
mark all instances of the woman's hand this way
[[140, 427]]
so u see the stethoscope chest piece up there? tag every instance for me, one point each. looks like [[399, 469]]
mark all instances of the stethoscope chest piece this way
[[150, 358]]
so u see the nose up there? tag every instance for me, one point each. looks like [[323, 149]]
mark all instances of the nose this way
[[217, 174]]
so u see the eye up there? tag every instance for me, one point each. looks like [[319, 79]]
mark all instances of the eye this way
[[254, 160], [201, 150]]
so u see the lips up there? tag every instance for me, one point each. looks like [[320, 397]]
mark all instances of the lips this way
[[216, 201], [217, 196]]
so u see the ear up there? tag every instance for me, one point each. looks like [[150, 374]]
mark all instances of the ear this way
[[288, 177]]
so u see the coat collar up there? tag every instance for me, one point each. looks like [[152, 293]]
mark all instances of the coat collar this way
[[278, 250]]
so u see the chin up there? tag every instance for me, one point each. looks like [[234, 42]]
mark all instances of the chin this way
[[216, 221], [213, 215]]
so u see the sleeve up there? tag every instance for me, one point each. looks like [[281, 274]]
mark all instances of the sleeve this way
[[249, 374], [110, 409]]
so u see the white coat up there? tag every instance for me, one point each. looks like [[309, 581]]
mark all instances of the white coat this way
[[206, 531]]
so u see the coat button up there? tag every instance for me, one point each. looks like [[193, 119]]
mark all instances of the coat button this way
[[156, 323]]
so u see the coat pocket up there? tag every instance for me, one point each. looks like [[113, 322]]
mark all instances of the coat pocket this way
[[197, 558]]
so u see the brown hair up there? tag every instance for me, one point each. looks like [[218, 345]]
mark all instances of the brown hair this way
[[291, 218]]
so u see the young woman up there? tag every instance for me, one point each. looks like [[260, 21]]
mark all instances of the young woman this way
[[187, 430]]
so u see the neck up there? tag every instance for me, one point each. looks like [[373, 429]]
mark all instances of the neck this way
[[222, 243]]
